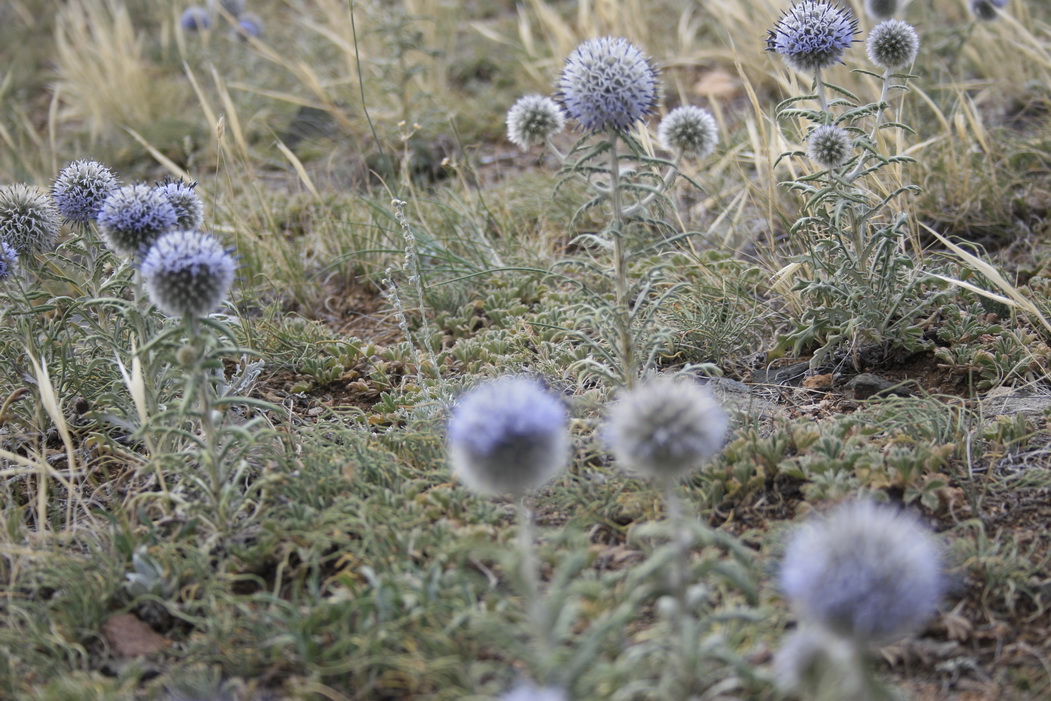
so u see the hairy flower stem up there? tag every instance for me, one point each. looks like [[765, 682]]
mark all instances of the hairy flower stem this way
[[536, 608], [621, 312], [822, 98], [680, 574], [875, 127], [199, 378]]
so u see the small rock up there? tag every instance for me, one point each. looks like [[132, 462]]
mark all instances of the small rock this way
[[868, 385]]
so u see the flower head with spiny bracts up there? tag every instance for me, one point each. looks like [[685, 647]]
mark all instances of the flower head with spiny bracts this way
[[690, 131], [534, 119], [189, 210], [80, 189], [8, 260], [812, 35], [508, 435], [188, 273], [28, 219], [829, 146], [607, 83], [866, 572], [892, 45], [133, 217], [665, 428]]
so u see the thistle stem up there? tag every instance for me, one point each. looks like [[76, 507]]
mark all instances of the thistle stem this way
[[530, 573], [621, 312], [684, 621], [822, 98], [209, 453]]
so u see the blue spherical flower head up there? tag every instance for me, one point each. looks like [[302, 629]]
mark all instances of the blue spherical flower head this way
[[80, 189], [189, 210], [508, 435], [868, 573], [188, 273], [249, 26], [133, 217], [195, 19], [812, 35], [8, 260], [607, 83], [28, 219]]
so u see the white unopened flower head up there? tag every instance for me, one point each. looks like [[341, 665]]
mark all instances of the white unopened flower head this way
[[508, 435], [28, 219], [892, 44], [534, 119], [8, 260], [689, 130], [607, 83], [528, 692], [80, 189], [881, 9], [665, 428], [189, 210], [828, 146], [188, 273], [865, 572], [133, 217], [987, 10]]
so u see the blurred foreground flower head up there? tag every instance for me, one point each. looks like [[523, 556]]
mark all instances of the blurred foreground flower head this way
[[80, 189], [188, 273], [812, 35], [508, 435], [987, 10], [866, 572], [249, 25], [28, 219], [881, 9], [8, 260], [607, 83], [195, 19], [892, 45], [134, 217], [690, 131], [528, 692], [189, 210], [665, 428], [534, 119]]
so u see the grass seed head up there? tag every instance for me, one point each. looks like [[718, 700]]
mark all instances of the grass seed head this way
[[812, 35], [188, 273], [28, 219], [80, 189], [607, 83], [690, 131], [133, 217], [892, 45], [534, 119]]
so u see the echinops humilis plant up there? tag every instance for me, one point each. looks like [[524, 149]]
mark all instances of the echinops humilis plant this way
[[607, 84], [188, 273], [195, 19], [534, 119], [829, 146], [80, 189], [689, 131], [189, 210], [133, 217], [892, 45], [812, 35], [28, 219]]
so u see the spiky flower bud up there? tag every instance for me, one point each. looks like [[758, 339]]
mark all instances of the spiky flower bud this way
[[892, 45], [812, 35], [665, 428], [195, 19], [987, 10], [133, 217], [865, 572], [607, 83], [28, 219], [828, 146], [80, 189], [189, 210], [881, 9], [8, 260], [508, 435], [533, 120], [188, 273], [689, 130]]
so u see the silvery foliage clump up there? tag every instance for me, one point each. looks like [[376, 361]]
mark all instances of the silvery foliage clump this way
[[607, 89], [858, 287], [28, 219]]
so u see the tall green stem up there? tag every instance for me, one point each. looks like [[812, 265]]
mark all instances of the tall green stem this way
[[530, 573], [622, 313]]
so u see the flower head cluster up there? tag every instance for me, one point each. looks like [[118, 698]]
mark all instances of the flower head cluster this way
[[533, 120], [189, 210], [813, 34], [607, 83], [689, 130], [508, 435], [188, 273], [881, 9], [81, 188], [892, 45], [8, 260], [195, 19], [866, 572], [28, 219], [665, 428], [135, 216], [987, 10], [828, 146]]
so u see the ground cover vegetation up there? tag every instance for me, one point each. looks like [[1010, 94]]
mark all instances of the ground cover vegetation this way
[[541, 350]]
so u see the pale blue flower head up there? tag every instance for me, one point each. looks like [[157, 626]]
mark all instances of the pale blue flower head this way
[[188, 273], [813, 34], [8, 260], [195, 19], [607, 83], [534, 119], [866, 572], [528, 692], [189, 210], [249, 26], [508, 435], [133, 217], [80, 189], [28, 219]]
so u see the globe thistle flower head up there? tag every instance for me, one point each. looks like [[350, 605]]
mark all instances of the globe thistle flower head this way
[[28, 219], [828, 146], [607, 83], [80, 189], [528, 692], [881, 9], [235, 8], [188, 273], [195, 19], [533, 120], [507, 435], [249, 26], [665, 428], [987, 10], [865, 572], [189, 210], [8, 260], [892, 45], [689, 130], [812, 35], [133, 217]]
